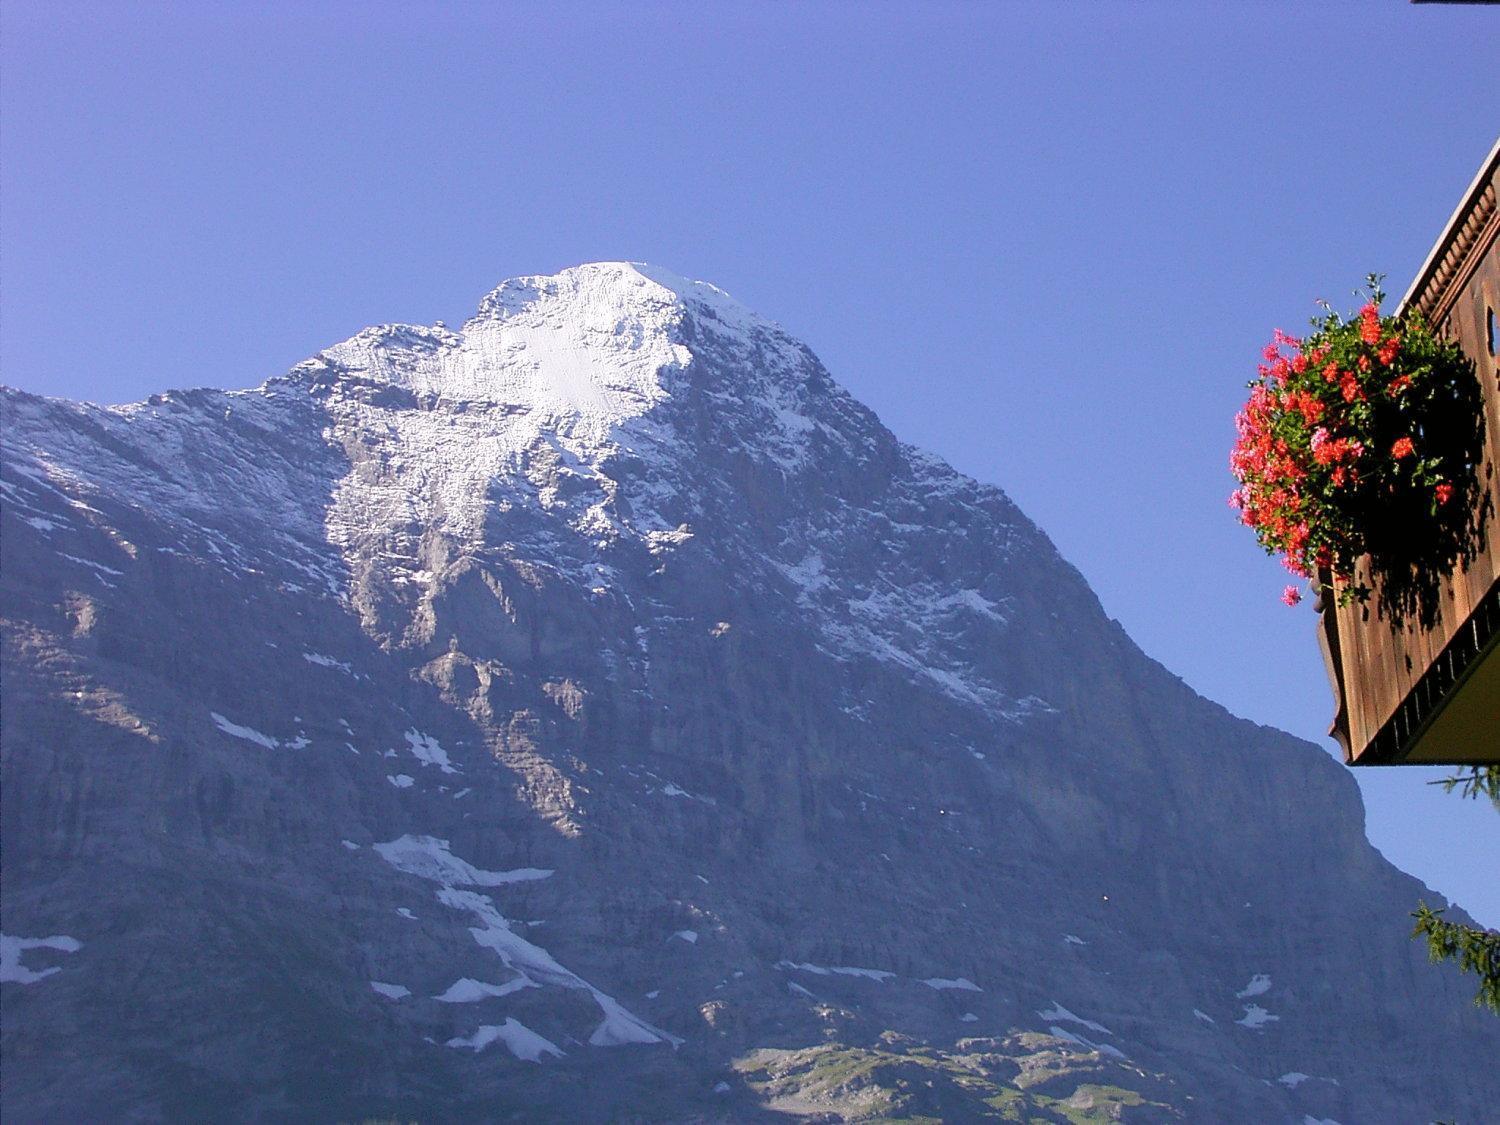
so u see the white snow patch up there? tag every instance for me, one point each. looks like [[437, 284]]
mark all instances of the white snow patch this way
[[672, 790], [1293, 1078], [1058, 1012], [469, 991], [689, 936], [329, 662], [99, 569], [1256, 1017], [428, 751], [722, 1088], [42, 525], [1204, 1016], [462, 793], [621, 1027], [524, 1043], [841, 970], [401, 780], [968, 1017], [1074, 939], [92, 563], [808, 575], [390, 991], [429, 858], [1102, 1048], [1259, 984], [234, 730], [405, 912], [12, 946], [962, 983], [1309, 1119], [350, 844]]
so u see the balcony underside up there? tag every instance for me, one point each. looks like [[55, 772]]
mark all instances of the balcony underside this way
[[1452, 715]]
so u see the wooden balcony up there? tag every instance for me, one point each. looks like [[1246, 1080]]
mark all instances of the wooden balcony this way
[[1405, 694]]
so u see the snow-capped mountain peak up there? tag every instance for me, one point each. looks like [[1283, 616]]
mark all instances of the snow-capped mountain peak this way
[[578, 421], [604, 290], [469, 703], [594, 345]]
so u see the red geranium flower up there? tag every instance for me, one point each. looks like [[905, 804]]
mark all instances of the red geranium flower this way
[[1318, 406]]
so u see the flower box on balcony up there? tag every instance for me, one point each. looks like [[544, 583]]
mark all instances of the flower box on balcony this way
[[1425, 688]]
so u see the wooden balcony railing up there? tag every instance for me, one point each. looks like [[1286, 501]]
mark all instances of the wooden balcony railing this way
[[1431, 695]]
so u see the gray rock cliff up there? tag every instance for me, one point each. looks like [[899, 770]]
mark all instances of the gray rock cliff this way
[[595, 713]]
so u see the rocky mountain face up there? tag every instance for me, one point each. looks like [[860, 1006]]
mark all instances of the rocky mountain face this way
[[594, 713]]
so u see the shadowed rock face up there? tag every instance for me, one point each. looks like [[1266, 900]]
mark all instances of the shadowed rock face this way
[[595, 713]]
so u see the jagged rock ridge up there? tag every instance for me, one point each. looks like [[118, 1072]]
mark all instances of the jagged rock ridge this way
[[594, 712]]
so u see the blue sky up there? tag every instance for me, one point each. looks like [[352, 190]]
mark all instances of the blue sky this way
[[1044, 240]]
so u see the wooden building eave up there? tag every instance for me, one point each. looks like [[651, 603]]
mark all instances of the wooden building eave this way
[[1457, 251]]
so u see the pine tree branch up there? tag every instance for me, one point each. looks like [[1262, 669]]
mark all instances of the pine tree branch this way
[[1479, 781], [1476, 951]]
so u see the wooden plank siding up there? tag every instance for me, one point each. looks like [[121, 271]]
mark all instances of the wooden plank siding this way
[[1390, 682]]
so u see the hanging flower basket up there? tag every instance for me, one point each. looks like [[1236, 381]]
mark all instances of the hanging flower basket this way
[[1363, 439]]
